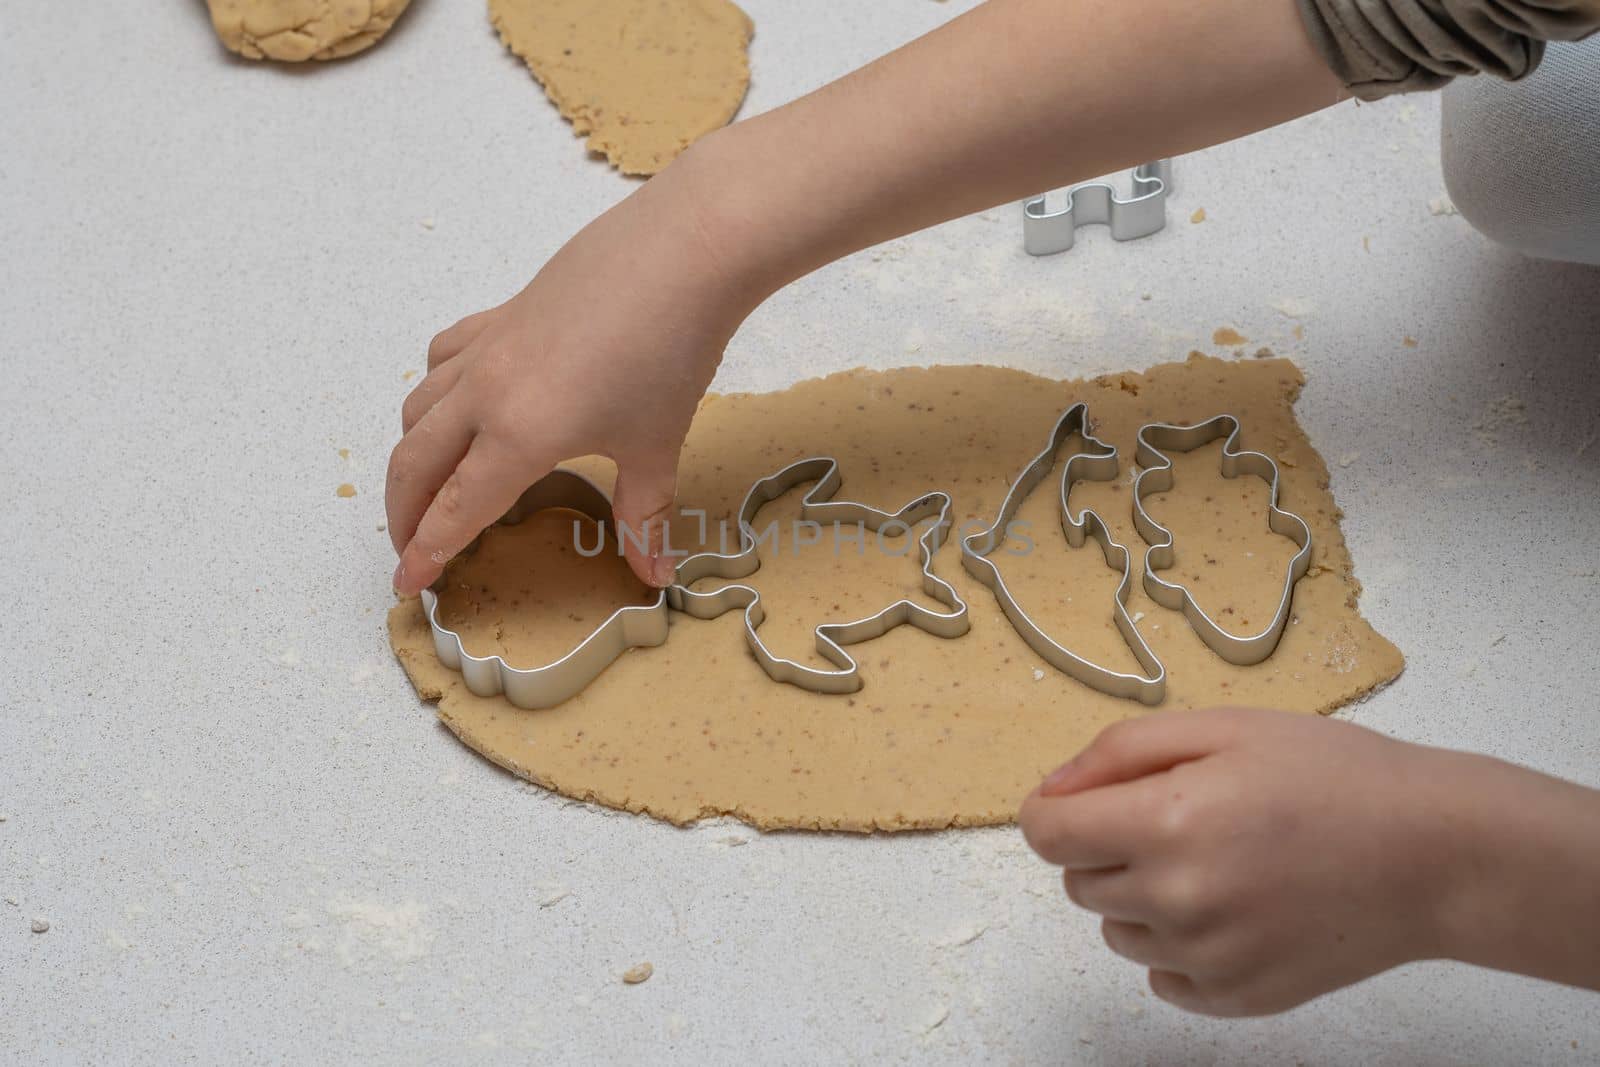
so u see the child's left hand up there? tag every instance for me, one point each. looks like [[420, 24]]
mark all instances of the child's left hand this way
[[1256, 859]]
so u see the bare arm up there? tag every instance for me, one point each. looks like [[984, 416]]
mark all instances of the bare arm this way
[[1012, 98]]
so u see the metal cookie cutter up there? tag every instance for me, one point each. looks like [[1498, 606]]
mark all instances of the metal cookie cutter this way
[[628, 627], [1156, 477], [818, 506], [1099, 464], [1044, 233]]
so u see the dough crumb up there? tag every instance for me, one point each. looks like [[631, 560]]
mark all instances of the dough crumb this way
[[639, 972], [427, 224], [346, 490], [1441, 205], [344, 453], [382, 526], [408, 375], [1227, 335], [1038, 675], [1265, 353], [1198, 216], [1409, 341], [1348, 458], [39, 926], [4, 816]]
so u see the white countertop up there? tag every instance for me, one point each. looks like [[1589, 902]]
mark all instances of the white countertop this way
[[254, 844]]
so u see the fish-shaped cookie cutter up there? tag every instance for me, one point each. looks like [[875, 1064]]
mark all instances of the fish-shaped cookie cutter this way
[[818, 506], [1155, 440], [637, 626], [1045, 232], [1099, 463]]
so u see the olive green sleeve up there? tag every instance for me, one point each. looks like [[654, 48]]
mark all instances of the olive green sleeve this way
[[1380, 47]]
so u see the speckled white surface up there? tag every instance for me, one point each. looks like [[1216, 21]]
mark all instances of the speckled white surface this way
[[253, 844]]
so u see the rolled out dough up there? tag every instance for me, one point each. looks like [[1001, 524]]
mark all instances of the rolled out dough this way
[[944, 732], [642, 79], [296, 30]]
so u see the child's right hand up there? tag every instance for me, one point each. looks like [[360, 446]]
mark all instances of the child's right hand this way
[[609, 349], [606, 352]]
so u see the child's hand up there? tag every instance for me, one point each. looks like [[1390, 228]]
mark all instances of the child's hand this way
[[1255, 859], [607, 352]]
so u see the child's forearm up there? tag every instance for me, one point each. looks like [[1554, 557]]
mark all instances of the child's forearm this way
[[1015, 97], [1528, 885]]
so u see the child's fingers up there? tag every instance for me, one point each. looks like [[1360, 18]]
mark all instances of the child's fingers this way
[[419, 465], [642, 506], [1133, 748], [486, 482], [1086, 831], [1113, 892], [449, 343], [1178, 989], [429, 392], [1137, 942]]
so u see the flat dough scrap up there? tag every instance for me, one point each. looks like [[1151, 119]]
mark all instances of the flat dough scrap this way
[[643, 79], [944, 732], [294, 31]]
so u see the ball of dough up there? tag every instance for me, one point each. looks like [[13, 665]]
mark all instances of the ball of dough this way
[[297, 30]]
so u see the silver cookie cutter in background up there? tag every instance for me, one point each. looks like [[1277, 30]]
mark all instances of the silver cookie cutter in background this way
[[1155, 440], [632, 626], [817, 506], [1099, 464], [1045, 232], [645, 625]]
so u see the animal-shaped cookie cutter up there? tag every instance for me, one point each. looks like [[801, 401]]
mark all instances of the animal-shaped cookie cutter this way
[[1044, 232], [1156, 439], [1099, 463], [818, 506], [632, 626], [637, 626]]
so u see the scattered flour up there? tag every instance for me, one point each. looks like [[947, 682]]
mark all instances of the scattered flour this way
[[965, 934], [373, 929], [1294, 307], [551, 895]]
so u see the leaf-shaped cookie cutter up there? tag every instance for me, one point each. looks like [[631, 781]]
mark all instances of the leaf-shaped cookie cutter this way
[[632, 626], [1044, 232], [818, 506], [1158, 438], [1099, 464]]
